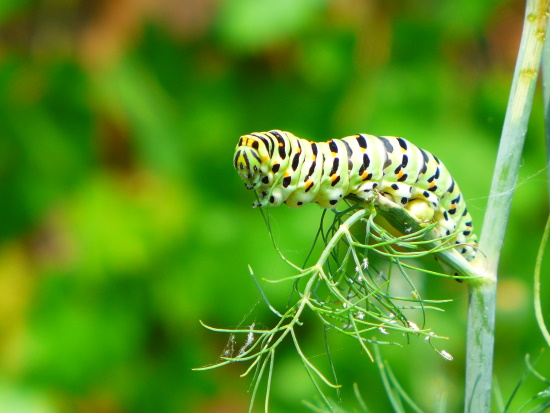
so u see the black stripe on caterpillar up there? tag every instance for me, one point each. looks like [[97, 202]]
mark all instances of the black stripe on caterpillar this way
[[283, 168]]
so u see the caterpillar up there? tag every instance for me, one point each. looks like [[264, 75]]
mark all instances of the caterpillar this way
[[282, 168]]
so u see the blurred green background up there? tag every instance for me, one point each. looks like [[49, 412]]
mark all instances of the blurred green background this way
[[124, 224]]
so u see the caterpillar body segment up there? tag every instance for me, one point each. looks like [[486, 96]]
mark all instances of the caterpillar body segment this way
[[282, 168]]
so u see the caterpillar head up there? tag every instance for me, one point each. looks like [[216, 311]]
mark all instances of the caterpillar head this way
[[248, 160]]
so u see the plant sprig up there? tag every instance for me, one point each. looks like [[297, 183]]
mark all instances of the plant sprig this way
[[348, 293]]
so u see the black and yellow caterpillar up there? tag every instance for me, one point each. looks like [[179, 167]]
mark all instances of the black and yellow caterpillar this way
[[283, 168]]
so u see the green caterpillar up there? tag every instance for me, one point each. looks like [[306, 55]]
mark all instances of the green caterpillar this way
[[283, 168]]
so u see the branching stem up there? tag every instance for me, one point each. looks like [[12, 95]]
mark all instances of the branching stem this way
[[482, 292]]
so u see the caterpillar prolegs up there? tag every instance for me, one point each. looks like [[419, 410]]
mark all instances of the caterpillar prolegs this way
[[283, 168]]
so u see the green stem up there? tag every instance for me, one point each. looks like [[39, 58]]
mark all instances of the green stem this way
[[401, 220], [538, 305], [482, 292], [546, 97]]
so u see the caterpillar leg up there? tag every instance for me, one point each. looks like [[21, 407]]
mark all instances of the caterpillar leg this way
[[366, 191], [399, 193], [445, 225], [430, 197], [469, 247], [265, 198]]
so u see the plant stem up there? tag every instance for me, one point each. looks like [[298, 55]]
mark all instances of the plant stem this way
[[546, 97], [482, 292], [536, 294], [401, 220]]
